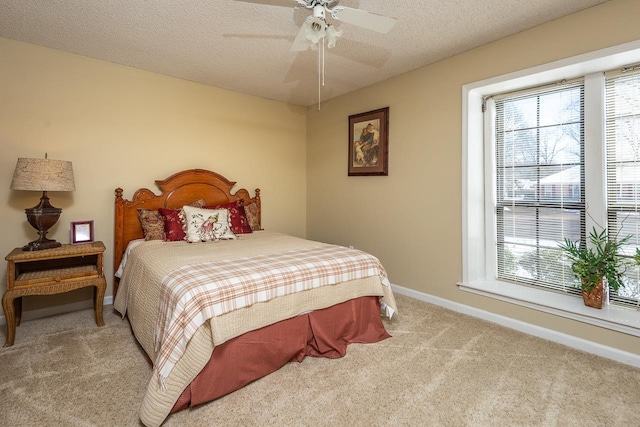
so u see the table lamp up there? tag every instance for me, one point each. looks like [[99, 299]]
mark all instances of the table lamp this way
[[43, 175]]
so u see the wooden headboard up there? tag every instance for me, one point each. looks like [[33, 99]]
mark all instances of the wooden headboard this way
[[178, 190]]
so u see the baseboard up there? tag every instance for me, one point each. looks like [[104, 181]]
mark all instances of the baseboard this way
[[537, 331], [59, 309]]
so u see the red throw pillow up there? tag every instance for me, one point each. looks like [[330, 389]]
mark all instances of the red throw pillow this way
[[237, 217], [173, 228]]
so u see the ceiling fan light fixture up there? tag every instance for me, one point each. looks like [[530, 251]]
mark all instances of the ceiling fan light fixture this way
[[315, 30], [332, 36]]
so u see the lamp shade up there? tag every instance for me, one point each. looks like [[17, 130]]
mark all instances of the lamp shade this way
[[43, 175], [315, 29], [332, 36]]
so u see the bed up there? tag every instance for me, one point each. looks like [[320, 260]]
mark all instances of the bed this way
[[323, 298]]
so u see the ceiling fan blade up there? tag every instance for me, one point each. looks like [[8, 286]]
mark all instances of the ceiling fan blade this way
[[285, 3], [361, 18], [300, 43]]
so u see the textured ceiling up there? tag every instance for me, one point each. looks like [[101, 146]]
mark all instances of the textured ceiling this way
[[245, 46]]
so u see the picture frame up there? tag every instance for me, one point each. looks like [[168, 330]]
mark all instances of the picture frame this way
[[81, 232], [369, 143]]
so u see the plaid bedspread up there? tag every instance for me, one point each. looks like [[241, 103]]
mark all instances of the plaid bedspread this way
[[193, 294]]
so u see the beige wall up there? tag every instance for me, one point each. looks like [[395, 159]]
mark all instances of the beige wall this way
[[123, 127], [411, 219]]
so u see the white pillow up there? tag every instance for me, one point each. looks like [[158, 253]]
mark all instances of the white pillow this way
[[206, 225]]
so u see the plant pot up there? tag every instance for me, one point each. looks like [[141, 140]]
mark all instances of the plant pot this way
[[595, 297]]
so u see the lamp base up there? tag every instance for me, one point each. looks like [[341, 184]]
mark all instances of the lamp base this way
[[42, 243], [42, 217]]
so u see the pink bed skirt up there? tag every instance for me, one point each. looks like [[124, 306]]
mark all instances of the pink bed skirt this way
[[322, 333]]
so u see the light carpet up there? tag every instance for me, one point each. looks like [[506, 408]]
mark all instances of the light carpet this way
[[440, 368]]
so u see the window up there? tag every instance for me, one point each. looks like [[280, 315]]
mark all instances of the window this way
[[517, 204], [540, 178], [539, 138], [622, 99]]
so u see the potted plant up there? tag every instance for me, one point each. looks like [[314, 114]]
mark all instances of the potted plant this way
[[591, 264]]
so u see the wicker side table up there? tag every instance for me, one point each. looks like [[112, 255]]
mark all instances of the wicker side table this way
[[52, 271]]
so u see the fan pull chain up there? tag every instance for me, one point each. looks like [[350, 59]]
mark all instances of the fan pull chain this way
[[319, 79], [320, 72], [323, 40]]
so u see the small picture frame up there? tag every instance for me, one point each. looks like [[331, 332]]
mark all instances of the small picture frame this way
[[81, 232], [369, 143]]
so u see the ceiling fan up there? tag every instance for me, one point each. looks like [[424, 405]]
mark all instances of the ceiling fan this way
[[316, 27]]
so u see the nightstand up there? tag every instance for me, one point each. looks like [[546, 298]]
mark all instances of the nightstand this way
[[52, 271]]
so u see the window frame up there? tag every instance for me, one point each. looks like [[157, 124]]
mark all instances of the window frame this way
[[478, 231]]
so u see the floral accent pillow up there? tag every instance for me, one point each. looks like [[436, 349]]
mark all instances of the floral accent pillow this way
[[152, 224], [237, 216], [173, 228], [207, 225], [251, 210]]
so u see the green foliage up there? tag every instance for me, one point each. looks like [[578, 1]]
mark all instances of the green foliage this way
[[601, 259], [509, 260]]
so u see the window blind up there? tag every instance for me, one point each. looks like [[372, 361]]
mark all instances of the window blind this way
[[540, 197], [622, 130]]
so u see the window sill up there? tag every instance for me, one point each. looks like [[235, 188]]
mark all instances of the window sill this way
[[617, 318]]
